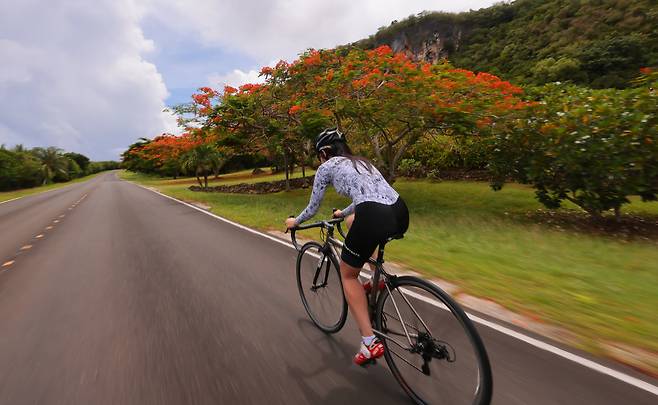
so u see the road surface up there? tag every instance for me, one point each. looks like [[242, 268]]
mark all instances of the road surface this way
[[113, 294]]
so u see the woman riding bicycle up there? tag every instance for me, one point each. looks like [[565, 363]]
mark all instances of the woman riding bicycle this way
[[377, 212]]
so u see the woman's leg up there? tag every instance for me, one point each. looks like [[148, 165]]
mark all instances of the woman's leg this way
[[348, 221], [356, 297]]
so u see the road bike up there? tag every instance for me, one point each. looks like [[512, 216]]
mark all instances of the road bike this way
[[432, 348]]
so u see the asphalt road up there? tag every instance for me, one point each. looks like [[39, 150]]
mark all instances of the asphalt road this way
[[133, 298]]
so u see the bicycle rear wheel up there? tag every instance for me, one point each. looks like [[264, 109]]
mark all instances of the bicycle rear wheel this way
[[320, 287], [432, 348]]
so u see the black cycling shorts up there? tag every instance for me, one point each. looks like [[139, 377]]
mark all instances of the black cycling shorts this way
[[373, 224]]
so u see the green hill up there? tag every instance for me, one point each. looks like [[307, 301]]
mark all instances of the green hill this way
[[599, 43]]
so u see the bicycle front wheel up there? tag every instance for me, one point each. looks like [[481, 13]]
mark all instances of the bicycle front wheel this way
[[432, 348], [320, 287]]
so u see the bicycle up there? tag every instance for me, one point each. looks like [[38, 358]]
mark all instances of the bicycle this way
[[413, 353]]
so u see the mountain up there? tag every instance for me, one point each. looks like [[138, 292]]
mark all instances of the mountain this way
[[598, 43]]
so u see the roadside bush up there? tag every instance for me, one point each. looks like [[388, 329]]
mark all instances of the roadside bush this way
[[591, 147], [18, 170], [441, 152], [411, 168]]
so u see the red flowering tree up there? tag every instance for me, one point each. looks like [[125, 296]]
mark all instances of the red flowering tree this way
[[390, 101]]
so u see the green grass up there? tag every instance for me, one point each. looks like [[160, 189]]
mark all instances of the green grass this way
[[10, 195], [600, 288]]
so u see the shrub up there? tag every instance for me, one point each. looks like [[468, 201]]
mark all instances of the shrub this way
[[411, 168], [442, 152], [434, 174], [591, 147]]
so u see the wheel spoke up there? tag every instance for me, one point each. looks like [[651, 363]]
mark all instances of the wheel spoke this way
[[406, 361], [408, 325]]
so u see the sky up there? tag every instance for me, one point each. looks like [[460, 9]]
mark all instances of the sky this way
[[94, 76]]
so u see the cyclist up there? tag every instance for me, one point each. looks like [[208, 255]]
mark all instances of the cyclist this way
[[376, 213]]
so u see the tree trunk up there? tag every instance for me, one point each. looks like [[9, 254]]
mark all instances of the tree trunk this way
[[205, 179], [618, 214], [198, 178], [287, 167]]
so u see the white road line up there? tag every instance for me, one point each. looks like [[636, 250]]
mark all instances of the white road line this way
[[44, 192], [636, 382], [13, 199]]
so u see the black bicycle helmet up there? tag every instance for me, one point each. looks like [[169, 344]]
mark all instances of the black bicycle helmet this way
[[328, 138]]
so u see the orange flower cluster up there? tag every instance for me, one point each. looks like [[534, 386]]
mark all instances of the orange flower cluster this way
[[251, 88], [313, 58]]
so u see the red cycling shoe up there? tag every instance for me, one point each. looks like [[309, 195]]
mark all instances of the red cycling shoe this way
[[369, 354]]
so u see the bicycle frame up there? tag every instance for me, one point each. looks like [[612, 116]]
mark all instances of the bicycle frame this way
[[330, 246]]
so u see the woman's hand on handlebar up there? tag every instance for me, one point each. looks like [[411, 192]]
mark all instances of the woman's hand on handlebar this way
[[337, 214], [290, 223]]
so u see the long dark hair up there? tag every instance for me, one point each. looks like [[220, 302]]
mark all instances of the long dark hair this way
[[343, 150]]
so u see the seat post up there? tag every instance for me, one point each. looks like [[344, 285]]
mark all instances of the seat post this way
[[380, 253]]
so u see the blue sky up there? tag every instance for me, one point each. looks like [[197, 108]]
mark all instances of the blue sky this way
[[186, 63], [94, 76]]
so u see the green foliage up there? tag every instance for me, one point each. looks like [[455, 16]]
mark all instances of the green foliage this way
[[591, 147], [18, 170], [202, 160], [440, 152], [598, 43], [411, 168], [97, 167], [563, 69], [53, 164], [82, 160], [25, 168]]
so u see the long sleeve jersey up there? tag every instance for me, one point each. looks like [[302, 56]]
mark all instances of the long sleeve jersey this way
[[359, 185]]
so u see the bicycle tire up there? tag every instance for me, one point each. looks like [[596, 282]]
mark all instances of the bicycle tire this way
[[329, 260], [484, 388]]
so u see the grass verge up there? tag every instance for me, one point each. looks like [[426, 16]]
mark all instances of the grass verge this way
[[600, 287]]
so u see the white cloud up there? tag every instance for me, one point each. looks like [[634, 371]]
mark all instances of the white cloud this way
[[236, 78], [266, 29], [75, 77]]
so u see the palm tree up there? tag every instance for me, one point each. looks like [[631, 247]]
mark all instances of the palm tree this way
[[203, 159], [53, 162]]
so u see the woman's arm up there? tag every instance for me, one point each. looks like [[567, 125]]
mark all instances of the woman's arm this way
[[349, 210], [322, 180]]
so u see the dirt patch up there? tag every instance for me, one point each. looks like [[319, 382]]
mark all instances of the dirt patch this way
[[265, 187]]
